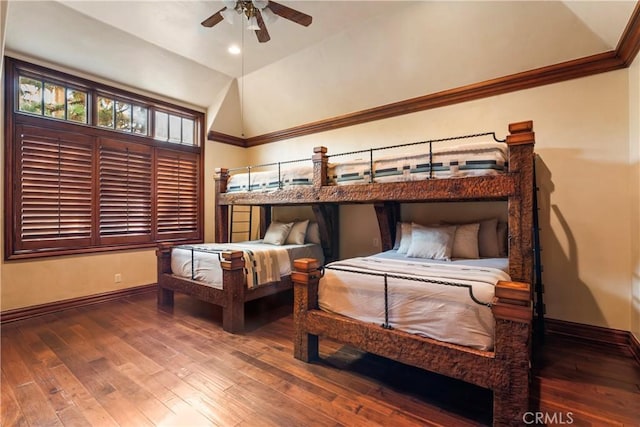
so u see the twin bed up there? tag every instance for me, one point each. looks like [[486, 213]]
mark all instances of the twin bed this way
[[471, 322]]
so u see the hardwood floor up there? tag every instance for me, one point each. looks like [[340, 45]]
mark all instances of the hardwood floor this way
[[126, 363]]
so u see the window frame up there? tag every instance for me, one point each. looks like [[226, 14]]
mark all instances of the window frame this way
[[14, 119]]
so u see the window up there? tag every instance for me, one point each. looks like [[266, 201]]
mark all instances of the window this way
[[121, 115], [172, 128], [82, 184], [42, 97]]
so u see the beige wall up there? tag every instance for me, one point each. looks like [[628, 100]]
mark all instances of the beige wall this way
[[582, 134], [634, 161]]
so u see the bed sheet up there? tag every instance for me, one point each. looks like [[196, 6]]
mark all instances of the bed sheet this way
[[206, 265], [432, 310]]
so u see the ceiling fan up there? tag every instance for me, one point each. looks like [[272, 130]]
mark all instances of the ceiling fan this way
[[257, 12]]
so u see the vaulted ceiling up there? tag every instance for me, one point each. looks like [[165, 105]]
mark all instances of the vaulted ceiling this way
[[355, 55]]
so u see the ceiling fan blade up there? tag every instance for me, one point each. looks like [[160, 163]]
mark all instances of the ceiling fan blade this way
[[213, 19], [262, 34], [290, 14]]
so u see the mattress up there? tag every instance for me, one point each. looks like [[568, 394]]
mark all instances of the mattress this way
[[270, 180], [202, 262], [445, 313], [483, 158]]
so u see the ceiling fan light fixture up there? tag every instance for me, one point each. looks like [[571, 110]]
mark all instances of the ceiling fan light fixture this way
[[230, 4], [229, 15], [260, 4], [268, 16], [253, 24]]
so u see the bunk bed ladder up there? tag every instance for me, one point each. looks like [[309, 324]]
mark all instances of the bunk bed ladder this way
[[240, 223], [538, 286]]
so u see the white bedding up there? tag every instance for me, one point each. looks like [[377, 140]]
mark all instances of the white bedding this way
[[269, 180], [206, 265], [445, 313], [483, 158]]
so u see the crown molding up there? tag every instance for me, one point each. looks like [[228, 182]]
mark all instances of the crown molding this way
[[226, 139], [629, 43], [625, 53]]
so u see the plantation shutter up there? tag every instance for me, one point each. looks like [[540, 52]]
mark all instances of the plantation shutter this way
[[125, 180], [54, 197], [178, 209]]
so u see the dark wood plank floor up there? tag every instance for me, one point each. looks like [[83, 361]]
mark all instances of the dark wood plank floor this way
[[126, 363]]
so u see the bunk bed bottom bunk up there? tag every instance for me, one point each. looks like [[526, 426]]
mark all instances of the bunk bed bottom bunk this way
[[231, 293], [505, 370]]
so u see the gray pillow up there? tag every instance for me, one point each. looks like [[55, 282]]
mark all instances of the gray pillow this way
[[277, 233], [465, 241], [488, 238], [298, 233], [431, 242], [313, 233]]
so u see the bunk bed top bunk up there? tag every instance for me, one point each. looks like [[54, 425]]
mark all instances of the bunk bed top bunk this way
[[311, 181]]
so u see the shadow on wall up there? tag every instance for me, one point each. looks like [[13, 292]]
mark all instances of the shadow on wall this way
[[566, 296]]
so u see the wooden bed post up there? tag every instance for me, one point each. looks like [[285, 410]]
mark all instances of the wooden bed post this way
[[521, 141], [320, 162], [165, 296], [388, 214], [234, 285], [305, 279], [512, 310], [221, 211]]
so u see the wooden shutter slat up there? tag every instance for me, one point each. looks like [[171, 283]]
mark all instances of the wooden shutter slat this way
[[55, 188], [177, 193], [125, 192]]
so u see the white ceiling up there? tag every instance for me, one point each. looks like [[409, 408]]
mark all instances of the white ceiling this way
[[159, 46]]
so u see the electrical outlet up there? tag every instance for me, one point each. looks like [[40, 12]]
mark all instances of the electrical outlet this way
[[117, 278]]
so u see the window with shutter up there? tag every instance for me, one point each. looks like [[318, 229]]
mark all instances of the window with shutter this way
[[125, 192], [76, 186], [177, 194], [54, 199]]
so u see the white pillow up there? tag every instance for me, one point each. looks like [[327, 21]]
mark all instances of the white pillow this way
[[465, 241], [313, 233], [277, 233], [405, 237], [298, 232], [431, 242]]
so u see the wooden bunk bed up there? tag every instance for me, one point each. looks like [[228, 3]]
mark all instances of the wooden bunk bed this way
[[504, 369]]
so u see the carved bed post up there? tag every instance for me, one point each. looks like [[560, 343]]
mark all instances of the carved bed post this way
[[512, 310], [221, 211], [521, 141], [320, 162], [305, 279], [234, 285], [165, 296], [388, 214]]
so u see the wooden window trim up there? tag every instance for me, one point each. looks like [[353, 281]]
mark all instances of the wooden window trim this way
[[14, 119]]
